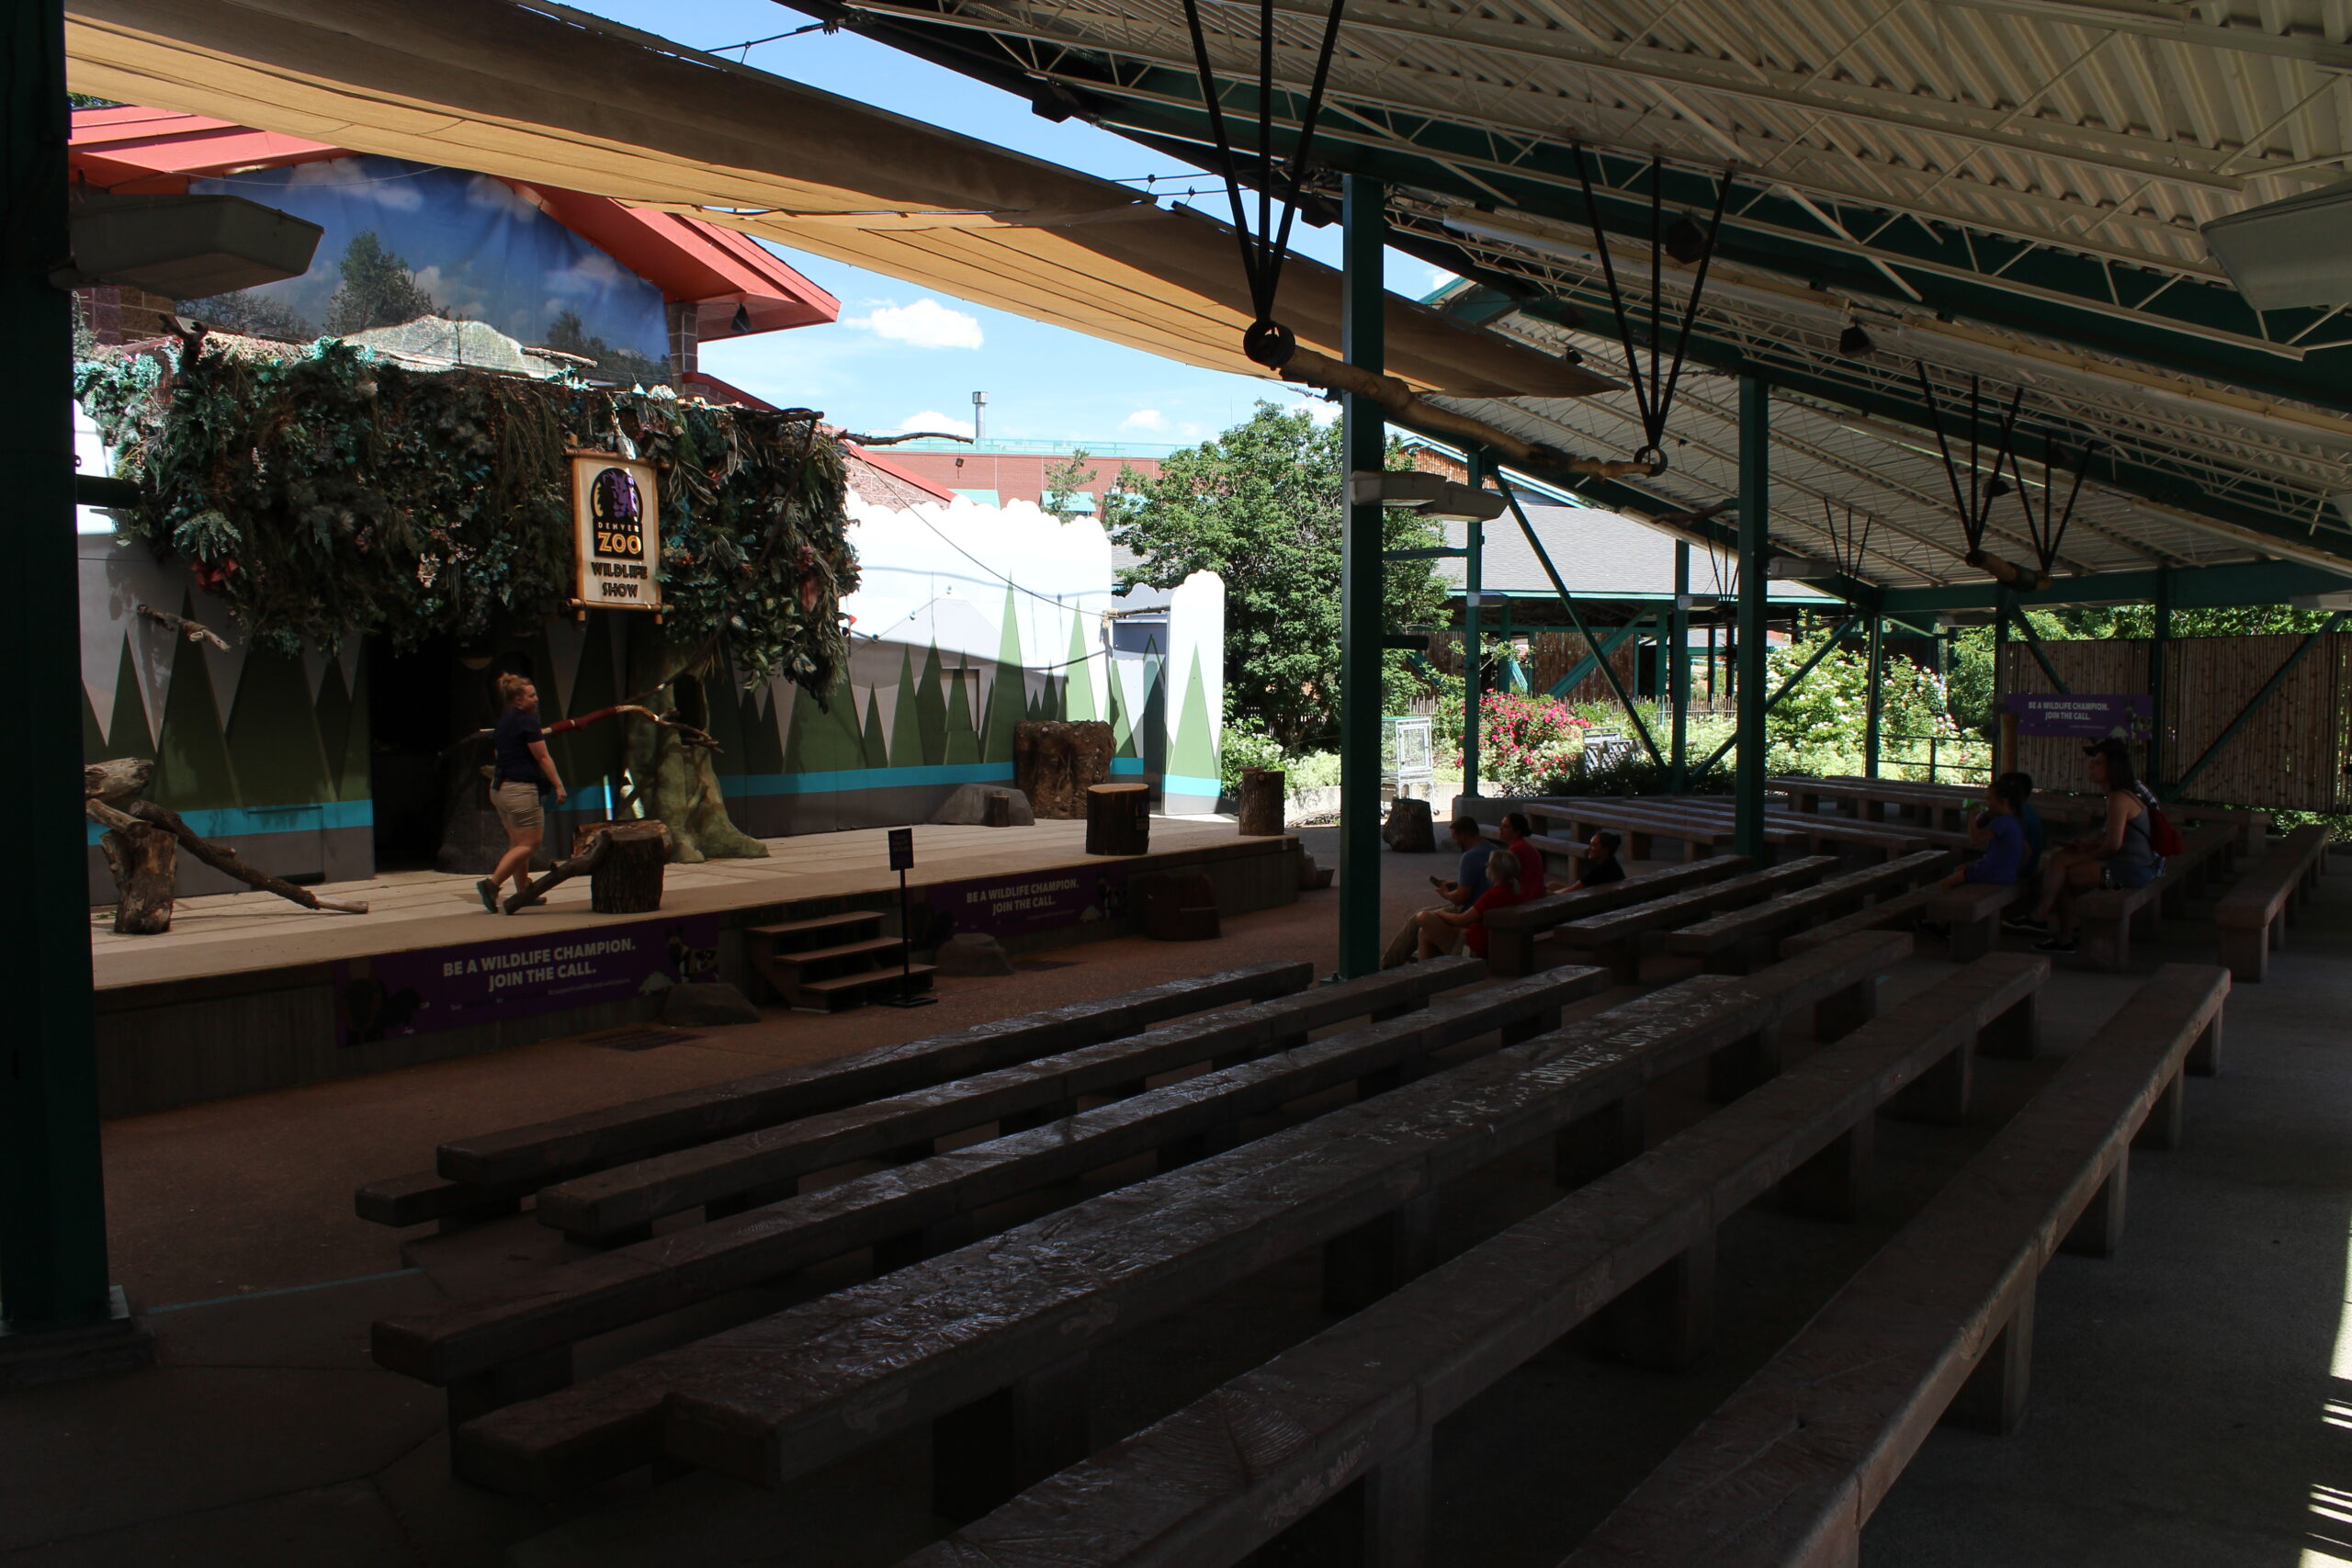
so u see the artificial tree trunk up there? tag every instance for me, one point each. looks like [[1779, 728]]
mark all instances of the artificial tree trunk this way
[[671, 777]]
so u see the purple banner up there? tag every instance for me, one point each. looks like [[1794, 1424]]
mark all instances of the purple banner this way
[[430, 989], [2078, 718], [1028, 901]]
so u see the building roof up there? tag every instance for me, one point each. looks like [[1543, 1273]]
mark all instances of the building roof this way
[[139, 150], [1601, 557]]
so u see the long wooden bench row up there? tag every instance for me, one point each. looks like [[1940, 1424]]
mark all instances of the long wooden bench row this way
[[483, 1345], [1513, 931], [1619, 937], [2107, 919], [482, 1176], [2253, 915], [1345, 1418], [1938, 1325], [620, 1204], [987, 1342], [1738, 941], [1786, 1474]]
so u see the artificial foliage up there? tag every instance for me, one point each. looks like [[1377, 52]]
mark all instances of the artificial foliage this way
[[326, 491]]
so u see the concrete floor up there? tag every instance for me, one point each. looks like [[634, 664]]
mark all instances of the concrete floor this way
[[2187, 1403]]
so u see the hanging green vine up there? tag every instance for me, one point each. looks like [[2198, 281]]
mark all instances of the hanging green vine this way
[[327, 491]]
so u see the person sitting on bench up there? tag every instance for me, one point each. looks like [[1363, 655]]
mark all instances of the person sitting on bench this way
[[2028, 819], [1443, 930], [2121, 854], [1601, 865], [1998, 834], [1469, 881], [1514, 834]]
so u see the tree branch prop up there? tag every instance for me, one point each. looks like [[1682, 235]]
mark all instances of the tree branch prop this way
[[686, 732], [529, 893], [219, 857], [1407, 407], [195, 631]]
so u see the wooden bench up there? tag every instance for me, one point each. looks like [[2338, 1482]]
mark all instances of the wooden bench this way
[[1618, 937], [2253, 913], [1511, 932], [480, 1177], [1345, 1418], [1938, 1325], [1737, 940], [490, 1350], [1938, 806], [989, 1341], [1641, 823], [2107, 919], [619, 1205]]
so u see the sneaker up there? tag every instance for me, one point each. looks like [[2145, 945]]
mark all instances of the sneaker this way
[[2057, 945], [2024, 923], [488, 891]]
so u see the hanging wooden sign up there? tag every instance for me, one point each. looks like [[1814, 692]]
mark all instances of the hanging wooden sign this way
[[617, 524]]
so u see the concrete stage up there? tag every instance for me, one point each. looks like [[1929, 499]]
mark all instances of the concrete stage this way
[[248, 992]]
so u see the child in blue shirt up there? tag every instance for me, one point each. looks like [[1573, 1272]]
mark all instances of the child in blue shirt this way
[[2020, 788], [1999, 835]]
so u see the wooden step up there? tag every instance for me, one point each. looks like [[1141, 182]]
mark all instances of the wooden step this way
[[865, 977], [838, 991], [818, 923], [846, 950]]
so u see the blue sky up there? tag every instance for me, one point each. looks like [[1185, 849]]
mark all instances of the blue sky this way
[[900, 351]]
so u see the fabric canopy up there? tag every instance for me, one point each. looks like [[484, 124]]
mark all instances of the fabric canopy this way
[[536, 93]]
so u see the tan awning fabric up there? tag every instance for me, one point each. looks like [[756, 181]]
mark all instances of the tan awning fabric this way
[[531, 93]]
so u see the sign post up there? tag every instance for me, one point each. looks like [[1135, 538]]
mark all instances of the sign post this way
[[902, 857]]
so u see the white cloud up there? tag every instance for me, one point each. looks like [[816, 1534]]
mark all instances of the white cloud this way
[[1438, 278], [931, 419], [1321, 411], [1144, 419], [398, 193], [926, 323], [498, 197], [589, 276], [1189, 431]]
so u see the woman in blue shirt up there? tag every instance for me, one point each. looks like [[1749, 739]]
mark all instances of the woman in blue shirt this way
[[522, 762]]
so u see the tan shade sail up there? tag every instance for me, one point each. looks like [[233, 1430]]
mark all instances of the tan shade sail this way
[[542, 96]]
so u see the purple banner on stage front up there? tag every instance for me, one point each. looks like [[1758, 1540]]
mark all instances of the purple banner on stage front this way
[[430, 989], [1028, 901], [2076, 718]]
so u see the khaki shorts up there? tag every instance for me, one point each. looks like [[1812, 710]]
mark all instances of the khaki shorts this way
[[518, 807]]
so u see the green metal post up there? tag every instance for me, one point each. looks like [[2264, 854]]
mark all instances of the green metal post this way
[[2159, 652], [1754, 521], [52, 1204], [2004, 724], [1363, 444], [1875, 702], [1678, 668], [1473, 656]]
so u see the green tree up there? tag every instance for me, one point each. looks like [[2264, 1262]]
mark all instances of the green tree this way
[[1065, 481], [377, 290], [1260, 505], [568, 334]]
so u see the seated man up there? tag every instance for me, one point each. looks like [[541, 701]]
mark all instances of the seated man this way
[[1443, 930], [1601, 865], [1469, 880]]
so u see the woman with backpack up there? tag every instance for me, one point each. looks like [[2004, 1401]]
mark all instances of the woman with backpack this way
[[2123, 853]]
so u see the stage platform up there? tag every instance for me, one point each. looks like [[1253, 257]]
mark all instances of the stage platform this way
[[248, 992]]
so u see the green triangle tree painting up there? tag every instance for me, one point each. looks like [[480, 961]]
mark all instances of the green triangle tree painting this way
[[1123, 735], [356, 764], [906, 720], [963, 737], [931, 716], [94, 740], [192, 769], [825, 740], [127, 733], [763, 735], [1192, 750], [877, 755], [1077, 681], [1007, 696], [274, 747]]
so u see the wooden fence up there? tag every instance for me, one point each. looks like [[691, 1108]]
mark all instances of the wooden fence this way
[[2289, 756]]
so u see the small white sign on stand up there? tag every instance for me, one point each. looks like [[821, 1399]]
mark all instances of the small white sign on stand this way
[[616, 525]]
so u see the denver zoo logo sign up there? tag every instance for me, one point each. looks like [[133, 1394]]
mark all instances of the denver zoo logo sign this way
[[616, 518]]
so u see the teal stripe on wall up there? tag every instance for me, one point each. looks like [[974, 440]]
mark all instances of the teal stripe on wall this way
[[746, 785], [248, 821], [1127, 767], [1177, 783]]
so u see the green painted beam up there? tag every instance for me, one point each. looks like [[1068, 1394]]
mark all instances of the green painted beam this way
[[1755, 529], [2190, 587], [1363, 447]]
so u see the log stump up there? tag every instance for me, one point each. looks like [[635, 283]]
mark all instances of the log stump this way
[[627, 878], [1261, 802], [144, 861], [1408, 829], [1118, 820]]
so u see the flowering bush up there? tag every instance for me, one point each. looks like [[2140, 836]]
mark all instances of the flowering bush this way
[[1522, 741], [1819, 727]]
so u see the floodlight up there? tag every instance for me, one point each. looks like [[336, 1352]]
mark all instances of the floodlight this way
[[2294, 252], [184, 247], [1432, 497]]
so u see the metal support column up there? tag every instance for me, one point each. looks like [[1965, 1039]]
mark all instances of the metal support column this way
[[1754, 477], [1363, 445], [1473, 656], [52, 1207], [2159, 655], [2005, 722], [1874, 704], [1678, 668]]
